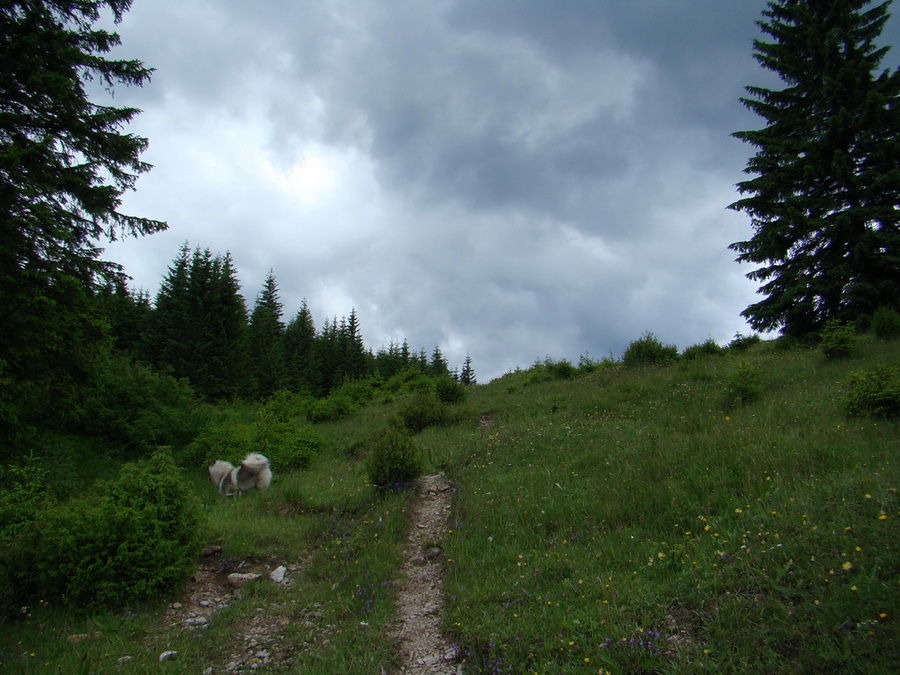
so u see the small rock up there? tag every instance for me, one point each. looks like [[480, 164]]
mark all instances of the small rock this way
[[277, 575], [204, 603], [123, 659], [176, 605], [167, 656], [211, 550], [196, 621], [239, 580], [433, 553]]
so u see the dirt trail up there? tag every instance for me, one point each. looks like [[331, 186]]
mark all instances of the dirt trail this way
[[422, 646]]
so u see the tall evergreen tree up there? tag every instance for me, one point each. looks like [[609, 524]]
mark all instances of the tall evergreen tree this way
[[823, 201], [64, 164], [266, 340], [438, 365], [200, 324], [467, 376], [302, 367]]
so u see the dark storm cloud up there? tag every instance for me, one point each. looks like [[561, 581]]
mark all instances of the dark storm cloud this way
[[511, 179]]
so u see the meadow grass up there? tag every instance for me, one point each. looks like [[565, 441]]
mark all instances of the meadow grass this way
[[628, 520]]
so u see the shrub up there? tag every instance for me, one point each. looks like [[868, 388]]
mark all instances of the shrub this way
[[449, 391], [395, 459], [743, 342], [420, 411], [886, 323], [138, 410], [331, 409], [132, 539], [874, 392], [211, 444], [743, 385], [837, 340], [648, 350], [280, 438], [707, 348], [23, 489]]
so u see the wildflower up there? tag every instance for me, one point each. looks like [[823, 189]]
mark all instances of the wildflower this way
[[882, 517], [853, 588], [847, 566], [739, 510]]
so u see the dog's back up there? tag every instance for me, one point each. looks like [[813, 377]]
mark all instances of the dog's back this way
[[221, 474]]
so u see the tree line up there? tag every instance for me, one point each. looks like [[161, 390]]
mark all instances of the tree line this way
[[199, 329]]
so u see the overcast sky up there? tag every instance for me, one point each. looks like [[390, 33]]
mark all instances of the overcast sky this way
[[512, 179]]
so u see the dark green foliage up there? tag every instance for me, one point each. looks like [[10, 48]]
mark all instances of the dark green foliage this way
[[837, 340], [886, 323], [331, 409], [394, 460], [64, 163], [449, 391], [266, 333], [420, 411], [128, 540], [874, 392], [136, 409], [743, 385], [23, 490], [707, 348], [824, 195], [212, 443], [648, 351], [742, 342], [200, 325], [281, 438]]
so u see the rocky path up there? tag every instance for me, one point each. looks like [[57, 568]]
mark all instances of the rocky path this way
[[422, 646]]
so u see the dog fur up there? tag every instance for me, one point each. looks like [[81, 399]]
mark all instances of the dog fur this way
[[253, 472]]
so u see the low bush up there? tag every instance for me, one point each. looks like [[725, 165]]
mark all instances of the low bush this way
[[129, 540], [837, 340], [648, 351], [886, 323], [138, 410], [449, 391], [743, 385], [331, 409], [742, 342], [874, 392], [707, 348], [420, 411], [395, 459]]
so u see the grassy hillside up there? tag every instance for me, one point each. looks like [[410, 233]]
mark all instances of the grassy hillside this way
[[716, 514]]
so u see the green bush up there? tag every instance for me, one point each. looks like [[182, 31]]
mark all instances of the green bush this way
[[886, 323], [874, 392], [331, 409], [648, 350], [138, 410], [130, 540], [743, 385], [420, 411], [707, 348], [449, 391], [837, 340], [211, 444], [279, 436], [23, 490], [743, 342], [395, 459]]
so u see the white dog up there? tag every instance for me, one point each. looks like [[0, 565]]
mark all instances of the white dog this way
[[253, 472]]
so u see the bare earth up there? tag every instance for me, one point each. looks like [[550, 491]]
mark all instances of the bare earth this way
[[422, 646]]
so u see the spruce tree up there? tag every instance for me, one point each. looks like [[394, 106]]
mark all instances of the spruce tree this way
[[200, 325], [266, 340], [302, 368], [823, 199], [467, 376], [65, 162]]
